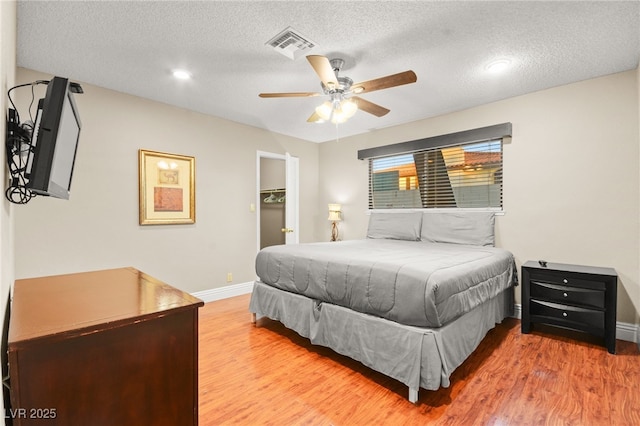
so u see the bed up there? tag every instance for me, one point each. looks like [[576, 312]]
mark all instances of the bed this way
[[412, 300]]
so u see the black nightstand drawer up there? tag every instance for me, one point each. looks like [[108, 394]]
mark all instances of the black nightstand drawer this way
[[567, 294], [569, 316], [568, 279]]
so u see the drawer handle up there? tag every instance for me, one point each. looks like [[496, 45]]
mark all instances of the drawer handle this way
[[565, 281], [564, 314], [565, 294]]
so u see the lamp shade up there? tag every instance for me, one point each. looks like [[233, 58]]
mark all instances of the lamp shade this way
[[337, 110], [324, 110], [343, 111], [334, 212], [334, 216], [349, 107]]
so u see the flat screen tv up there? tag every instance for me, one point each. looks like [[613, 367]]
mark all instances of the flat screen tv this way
[[54, 141]]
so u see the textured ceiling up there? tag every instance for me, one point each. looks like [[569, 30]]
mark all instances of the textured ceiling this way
[[132, 47]]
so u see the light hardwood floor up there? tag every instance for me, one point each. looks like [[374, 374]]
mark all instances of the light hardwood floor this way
[[268, 375]]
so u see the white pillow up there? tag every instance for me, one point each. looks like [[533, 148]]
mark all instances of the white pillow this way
[[395, 226], [473, 228]]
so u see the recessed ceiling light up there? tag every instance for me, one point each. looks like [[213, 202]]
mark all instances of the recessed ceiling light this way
[[181, 74], [498, 65]]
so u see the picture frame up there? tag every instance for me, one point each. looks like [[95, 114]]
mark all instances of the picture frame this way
[[166, 184]]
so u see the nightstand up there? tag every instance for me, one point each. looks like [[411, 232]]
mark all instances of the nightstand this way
[[581, 298]]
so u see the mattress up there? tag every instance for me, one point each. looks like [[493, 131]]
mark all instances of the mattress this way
[[410, 282]]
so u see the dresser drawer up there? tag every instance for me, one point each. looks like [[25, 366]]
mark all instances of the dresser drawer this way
[[586, 297], [570, 316]]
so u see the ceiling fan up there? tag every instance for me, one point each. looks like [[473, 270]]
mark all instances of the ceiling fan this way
[[341, 90]]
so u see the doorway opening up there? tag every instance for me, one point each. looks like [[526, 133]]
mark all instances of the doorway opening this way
[[273, 201], [277, 199]]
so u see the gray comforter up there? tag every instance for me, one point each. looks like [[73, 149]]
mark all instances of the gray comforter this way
[[410, 282]]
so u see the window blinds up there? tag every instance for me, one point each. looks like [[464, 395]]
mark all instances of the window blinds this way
[[459, 175]]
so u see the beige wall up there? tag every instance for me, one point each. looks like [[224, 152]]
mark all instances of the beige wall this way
[[591, 127], [98, 227], [7, 79], [584, 206]]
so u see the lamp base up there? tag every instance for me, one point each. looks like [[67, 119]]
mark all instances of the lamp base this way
[[334, 231]]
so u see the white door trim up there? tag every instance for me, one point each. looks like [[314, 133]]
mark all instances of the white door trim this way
[[293, 205]]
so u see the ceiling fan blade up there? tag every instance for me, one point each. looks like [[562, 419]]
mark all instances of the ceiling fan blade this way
[[370, 107], [323, 68], [289, 95], [315, 118], [393, 80]]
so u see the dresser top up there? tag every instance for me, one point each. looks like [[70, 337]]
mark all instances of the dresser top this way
[[75, 304], [594, 270]]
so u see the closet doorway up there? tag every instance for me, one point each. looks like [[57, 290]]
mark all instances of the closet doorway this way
[[277, 199]]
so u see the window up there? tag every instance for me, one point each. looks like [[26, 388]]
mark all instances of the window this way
[[465, 175]]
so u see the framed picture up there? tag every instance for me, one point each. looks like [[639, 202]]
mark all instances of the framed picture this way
[[167, 188]]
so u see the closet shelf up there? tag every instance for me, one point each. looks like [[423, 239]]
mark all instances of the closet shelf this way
[[269, 191], [276, 196]]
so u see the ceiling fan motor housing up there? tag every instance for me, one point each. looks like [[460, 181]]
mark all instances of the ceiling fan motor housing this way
[[336, 64], [344, 83]]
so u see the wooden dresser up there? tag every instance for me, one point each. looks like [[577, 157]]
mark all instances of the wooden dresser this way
[[112, 347], [578, 297]]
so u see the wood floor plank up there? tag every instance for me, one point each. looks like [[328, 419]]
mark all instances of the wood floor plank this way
[[269, 375]]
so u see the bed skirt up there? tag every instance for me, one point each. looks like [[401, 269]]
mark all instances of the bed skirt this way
[[418, 357]]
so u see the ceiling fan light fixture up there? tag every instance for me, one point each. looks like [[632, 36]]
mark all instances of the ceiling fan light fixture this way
[[338, 119], [343, 111], [325, 110], [336, 110], [349, 107]]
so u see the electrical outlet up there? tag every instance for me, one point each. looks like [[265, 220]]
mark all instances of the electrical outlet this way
[[229, 277]]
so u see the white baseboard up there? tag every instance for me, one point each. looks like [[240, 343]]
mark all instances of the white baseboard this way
[[224, 292], [624, 331], [627, 332]]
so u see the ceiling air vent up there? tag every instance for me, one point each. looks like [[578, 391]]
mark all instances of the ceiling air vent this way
[[291, 43]]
